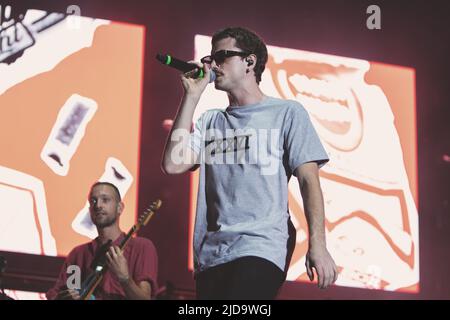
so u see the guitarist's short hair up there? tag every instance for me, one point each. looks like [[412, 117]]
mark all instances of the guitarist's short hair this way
[[116, 190]]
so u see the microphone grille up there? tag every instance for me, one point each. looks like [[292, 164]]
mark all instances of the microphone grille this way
[[212, 77]]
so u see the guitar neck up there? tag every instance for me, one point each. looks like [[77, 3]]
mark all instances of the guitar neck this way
[[128, 236], [132, 231]]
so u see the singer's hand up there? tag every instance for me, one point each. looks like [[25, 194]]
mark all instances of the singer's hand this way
[[196, 86]]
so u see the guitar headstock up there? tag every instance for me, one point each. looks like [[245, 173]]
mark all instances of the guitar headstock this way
[[148, 213]]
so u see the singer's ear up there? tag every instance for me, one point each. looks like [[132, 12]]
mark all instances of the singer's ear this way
[[251, 60]]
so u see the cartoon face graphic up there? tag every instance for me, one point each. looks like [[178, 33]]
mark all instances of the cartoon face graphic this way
[[68, 117]]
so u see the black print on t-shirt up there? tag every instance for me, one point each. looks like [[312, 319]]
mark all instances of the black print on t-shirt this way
[[231, 144]]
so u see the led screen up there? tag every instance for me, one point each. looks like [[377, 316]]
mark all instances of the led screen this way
[[70, 108]]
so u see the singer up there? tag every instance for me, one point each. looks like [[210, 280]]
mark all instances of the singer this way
[[132, 273], [243, 237]]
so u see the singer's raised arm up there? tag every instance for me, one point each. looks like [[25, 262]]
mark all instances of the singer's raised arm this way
[[178, 157]]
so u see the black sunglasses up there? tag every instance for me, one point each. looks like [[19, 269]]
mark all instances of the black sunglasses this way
[[220, 56]]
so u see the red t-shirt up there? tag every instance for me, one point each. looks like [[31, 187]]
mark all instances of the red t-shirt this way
[[142, 265]]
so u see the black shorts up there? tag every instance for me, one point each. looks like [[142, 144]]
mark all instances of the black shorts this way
[[247, 278]]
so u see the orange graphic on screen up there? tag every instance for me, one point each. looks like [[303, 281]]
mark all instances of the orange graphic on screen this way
[[364, 113], [70, 115]]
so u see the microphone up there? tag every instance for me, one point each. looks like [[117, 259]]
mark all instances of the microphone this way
[[184, 66]]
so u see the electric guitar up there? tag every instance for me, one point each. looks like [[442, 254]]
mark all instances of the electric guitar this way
[[100, 268]]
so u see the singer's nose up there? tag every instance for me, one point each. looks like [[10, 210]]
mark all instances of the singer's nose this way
[[213, 65]]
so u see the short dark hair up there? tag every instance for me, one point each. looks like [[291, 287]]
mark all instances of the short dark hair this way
[[116, 190], [248, 41]]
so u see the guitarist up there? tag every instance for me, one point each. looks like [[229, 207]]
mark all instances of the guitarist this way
[[132, 273]]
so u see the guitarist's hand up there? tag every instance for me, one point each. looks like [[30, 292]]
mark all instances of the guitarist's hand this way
[[69, 294], [117, 263]]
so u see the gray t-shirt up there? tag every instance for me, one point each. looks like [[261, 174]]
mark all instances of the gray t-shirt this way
[[247, 156]]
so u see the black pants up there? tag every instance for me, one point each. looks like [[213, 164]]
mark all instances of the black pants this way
[[247, 278]]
